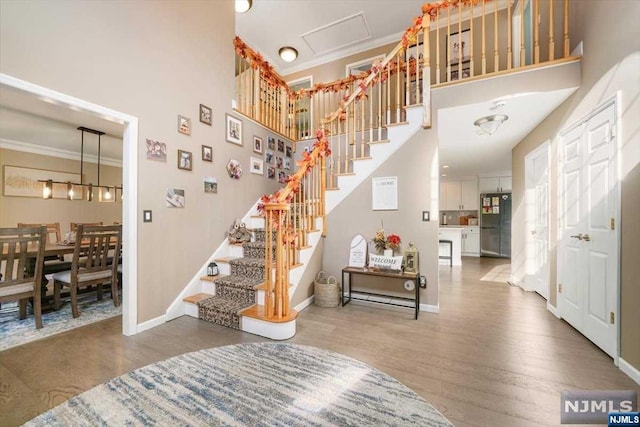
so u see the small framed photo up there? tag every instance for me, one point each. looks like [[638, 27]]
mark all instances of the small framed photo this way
[[288, 150], [184, 125], [279, 162], [466, 72], [156, 150], [175, 198], [271, 143], [268, 157], [257, 145], [256, 166], [205, 114], [271, 172], [210, 185], [281, 146], [207, 153], [234, 130], [282, 177], [458, 45], [185, 160]]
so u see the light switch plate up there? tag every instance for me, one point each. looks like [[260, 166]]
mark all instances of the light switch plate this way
[[425, 215], [147, 216]]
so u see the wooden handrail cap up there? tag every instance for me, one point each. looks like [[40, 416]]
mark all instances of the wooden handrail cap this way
[[277, 206]]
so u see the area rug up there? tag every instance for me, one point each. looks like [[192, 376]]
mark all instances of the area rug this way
[[499, 273], [260, 384], [14, 332]]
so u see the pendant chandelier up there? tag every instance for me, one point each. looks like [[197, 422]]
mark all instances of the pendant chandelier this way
[[105, 193]]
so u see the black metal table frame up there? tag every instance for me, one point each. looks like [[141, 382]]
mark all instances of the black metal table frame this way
[[350, 271]]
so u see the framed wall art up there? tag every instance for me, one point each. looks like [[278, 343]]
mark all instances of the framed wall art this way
[[205, 114], [175, 198], [207, 153], [185, 160], [156, 150], [257, 145], [184, 125], [210, 185], [458, 45], [233, 130], [23, 182], [256, 166]]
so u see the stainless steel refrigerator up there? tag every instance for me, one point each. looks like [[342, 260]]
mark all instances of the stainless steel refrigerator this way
[[495, 225]]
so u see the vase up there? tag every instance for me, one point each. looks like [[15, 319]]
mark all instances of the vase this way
[[388, 252]]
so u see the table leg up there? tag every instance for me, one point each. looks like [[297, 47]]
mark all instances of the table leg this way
[[417, 295]]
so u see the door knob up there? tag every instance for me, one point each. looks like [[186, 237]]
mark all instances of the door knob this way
[[578, 236], [586, 238]]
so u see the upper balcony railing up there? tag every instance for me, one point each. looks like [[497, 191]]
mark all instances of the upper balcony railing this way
[[451, 42]]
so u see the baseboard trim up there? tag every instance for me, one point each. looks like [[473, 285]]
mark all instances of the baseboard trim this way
[[151, 323], [430, 308], [553, 310], [304, 304], [629, 369]]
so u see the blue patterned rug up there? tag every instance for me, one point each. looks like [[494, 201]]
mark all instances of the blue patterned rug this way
[[261, 384], [14, 332]]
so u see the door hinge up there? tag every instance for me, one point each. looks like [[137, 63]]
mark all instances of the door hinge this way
[[613, 223], [612, 318], [559, 288]]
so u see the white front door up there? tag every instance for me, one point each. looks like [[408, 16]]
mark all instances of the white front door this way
[[537, 220], [588, 242]]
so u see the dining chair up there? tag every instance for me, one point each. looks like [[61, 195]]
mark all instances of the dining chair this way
[[17, 282], [53, 263], [74, 225], [97, 244]]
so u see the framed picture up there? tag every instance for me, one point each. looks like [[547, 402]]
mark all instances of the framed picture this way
[[458, 45], [466, 72], [185, 160], [268, 157], [175, 198], [234, 169], [257, 145], [207, 153], [205, 114], [282, 177], [234, 130], [287, 164], [184, 125], [210, 185], [271, 143], [288, 150], [279, 162], [156, 150], [256, 166], [25, 182], [271, 172], [281, 146]]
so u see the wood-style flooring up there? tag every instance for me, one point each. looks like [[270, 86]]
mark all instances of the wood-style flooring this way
[[494, 356]]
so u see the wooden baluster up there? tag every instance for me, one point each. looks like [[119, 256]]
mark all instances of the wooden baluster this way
[[426, 73], [388, 83], [346, 141], [354, 121], [371, 95], [256, 95], [323, 191], [437, 48], [471, 41], [448, 59], [407, 77], [331, 165], [460, 45], [552, 43], [484, 41], [566, 29], [380, 105], [398, 77], [509, 52], [522, 47], [496, 57], [338, 157], [536, 31], [363, 103], [418, 66]]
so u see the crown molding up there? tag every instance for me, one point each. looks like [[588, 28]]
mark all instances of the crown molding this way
[[26, 147]]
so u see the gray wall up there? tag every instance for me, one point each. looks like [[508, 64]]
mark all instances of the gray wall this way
[[609, 31], [152, 60]]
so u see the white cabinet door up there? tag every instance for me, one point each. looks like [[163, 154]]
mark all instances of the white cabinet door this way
[[469, 195], [471, 241], [489, 185], [453, 192], [443, 196]]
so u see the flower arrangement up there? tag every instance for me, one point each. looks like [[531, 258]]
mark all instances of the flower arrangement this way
[[382, 242]]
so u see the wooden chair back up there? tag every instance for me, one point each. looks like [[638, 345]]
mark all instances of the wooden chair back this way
[[98, 245], [53, 231], [74, 225], [19, 278]]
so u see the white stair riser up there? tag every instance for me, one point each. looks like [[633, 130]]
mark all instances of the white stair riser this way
[[256, 222], [236, 251], [275, 331], [191, 309], [208, 287]]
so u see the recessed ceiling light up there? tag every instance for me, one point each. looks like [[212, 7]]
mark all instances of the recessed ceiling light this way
[[243, 5], [288, 53], [444, 174], [445, 166]]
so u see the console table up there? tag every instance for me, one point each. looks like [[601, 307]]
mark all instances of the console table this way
[[415, 277]]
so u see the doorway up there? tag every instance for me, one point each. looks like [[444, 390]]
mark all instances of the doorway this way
[[536, 170], [130, 183], [589, 240]]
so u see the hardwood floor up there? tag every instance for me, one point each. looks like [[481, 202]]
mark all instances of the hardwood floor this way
[[494, 356]]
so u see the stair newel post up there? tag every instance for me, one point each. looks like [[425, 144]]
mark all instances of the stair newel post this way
[[269, 258], [426, 72], [323, 189]]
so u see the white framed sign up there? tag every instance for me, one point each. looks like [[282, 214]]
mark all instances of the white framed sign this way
[[358, 251], [384, 195]]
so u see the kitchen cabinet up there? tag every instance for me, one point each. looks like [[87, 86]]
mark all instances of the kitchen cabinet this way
[[497, 184], [459, 195], [470, 241]]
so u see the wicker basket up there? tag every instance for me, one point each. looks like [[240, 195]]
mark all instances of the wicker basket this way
[[326, 290]]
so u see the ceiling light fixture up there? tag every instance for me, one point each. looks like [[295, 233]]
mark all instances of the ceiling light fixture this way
[[445, 166], [243, 5], [288, 53], [489, 124]]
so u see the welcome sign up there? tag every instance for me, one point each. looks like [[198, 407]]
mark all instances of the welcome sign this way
[[389, 262]]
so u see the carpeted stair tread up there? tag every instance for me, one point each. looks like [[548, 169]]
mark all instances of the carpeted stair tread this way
[[258, 244], [249, 262], [221, 310], [239, 282]]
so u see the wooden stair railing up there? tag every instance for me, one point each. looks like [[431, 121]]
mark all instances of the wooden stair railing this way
[[371, 102]]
